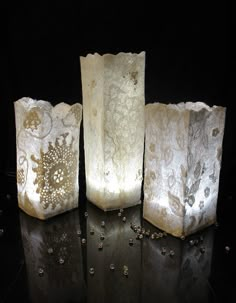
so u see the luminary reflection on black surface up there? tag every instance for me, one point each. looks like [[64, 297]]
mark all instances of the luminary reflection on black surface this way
[[53, 258], [176, 270], [113, 267]]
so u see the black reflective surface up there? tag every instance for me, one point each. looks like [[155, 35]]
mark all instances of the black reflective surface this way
[[48, 261]]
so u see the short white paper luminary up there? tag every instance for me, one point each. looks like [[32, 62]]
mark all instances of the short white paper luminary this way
[[182, 165], [47, 143], [113, 111]]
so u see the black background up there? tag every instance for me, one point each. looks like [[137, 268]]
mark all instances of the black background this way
[[187, 48]]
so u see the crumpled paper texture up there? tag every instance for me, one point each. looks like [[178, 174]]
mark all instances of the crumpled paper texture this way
[[47, 145], [113, 110], [183, 150]]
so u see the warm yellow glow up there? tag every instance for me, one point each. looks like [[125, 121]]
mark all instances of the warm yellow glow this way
[[113, 109], [47, 140], [182, 165]]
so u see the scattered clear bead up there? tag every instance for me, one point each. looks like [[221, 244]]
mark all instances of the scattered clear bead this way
[[191, 242], [152, 236], [172, 253], [91, 231], [121, 210], [227, 249], [78, 232], [102, 237], [141, 236], [61, 260], [119, 214], [40, 271], [112, 267], [125, 270], [202, 249], [103, 224], [100, 246], [83, 241], [131, 242], [124, 219], [182, 238], [86, 214], [163, 251], [50, 250], [1, 232], [91, 271]]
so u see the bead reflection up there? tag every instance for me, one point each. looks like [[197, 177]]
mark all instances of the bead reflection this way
[[175, 270], [53, 258], [115, 255]]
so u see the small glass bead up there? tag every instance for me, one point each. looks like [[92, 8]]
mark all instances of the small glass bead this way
[[172, 253], [91, 231], [141, 236], [91, 271], [1, 232], [50, 250], [182, 238], [103, 224], [152, 236], [131, 242], [40, 271], [125, 270], [121, 210], [61, 261], [202, 249], [86, 214], [191, 242], [102, 237], [100, 246], [163, 251], [83, 241], [124, 219], [112, 267], [78, 232], [227, 249]]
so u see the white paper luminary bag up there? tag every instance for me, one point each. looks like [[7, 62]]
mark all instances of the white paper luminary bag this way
[[47, 145], [183, 150], [113, 110]]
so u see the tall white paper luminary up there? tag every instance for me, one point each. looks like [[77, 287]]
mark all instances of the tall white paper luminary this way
[[183, 150], [47, 145], [113, 109]]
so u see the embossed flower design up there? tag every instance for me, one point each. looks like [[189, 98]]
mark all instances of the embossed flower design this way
[[56, 173], [32, 120], [20, 176]]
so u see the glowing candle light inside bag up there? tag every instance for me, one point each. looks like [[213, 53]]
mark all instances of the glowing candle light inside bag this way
[[113, 108], [47, 143], [183, 150]]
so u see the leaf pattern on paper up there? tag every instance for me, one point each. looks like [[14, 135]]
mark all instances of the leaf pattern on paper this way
[[197, 170], [195, 186], [175, 205]]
